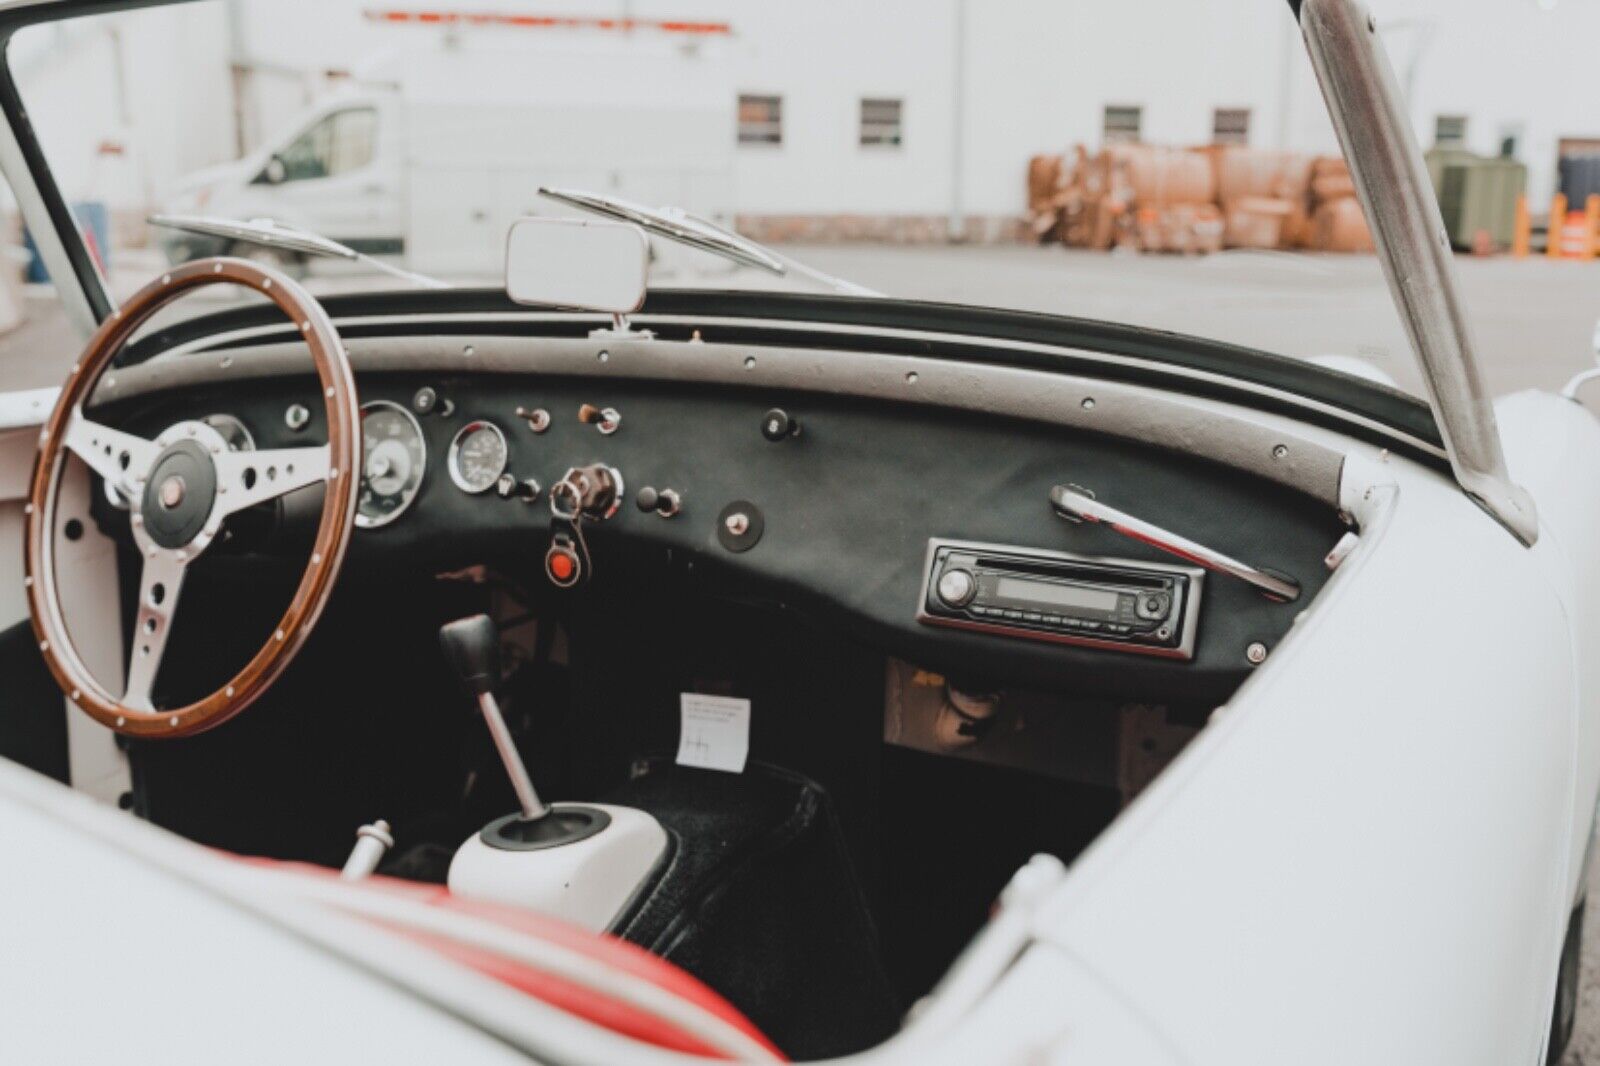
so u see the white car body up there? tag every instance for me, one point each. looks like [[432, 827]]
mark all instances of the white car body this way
[[1369, 855]]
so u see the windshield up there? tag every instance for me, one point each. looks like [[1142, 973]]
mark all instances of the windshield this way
[[1196, 189]]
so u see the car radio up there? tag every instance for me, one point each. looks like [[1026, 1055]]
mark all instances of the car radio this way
[[1116, 604]]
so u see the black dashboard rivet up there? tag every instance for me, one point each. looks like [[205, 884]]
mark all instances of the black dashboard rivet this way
[[740, 525], [646, 499]]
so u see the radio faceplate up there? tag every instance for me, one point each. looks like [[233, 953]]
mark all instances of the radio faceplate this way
[[1115, 604]]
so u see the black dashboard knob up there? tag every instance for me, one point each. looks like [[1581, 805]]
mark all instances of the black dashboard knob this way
[[472, 647], [665, 503], [777, 424]]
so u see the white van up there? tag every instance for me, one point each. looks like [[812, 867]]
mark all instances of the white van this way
[[429, 156]]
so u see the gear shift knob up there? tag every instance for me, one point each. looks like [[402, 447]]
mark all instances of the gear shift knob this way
[[472, 645]]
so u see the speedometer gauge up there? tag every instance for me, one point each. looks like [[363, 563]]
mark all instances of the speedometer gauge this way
[[478, 457], [393, 457]]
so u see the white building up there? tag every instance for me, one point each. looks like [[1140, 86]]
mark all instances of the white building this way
[[917, 109]]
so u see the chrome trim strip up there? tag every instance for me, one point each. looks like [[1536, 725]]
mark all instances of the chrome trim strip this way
[[1078, 506], [1397, 195], [702, 322], [1268, 446]]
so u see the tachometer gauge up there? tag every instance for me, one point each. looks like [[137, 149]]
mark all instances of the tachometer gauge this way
[[478, 457], [393, 457]]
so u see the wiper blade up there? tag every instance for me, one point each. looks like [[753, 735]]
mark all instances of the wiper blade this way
[[271, 234], [679, 225]]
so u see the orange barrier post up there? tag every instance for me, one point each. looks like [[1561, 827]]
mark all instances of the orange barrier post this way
[[1522, 238], [1558, 218], [1591, 225]]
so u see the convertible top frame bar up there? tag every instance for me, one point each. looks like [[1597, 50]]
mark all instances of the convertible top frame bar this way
[[1369, 114]]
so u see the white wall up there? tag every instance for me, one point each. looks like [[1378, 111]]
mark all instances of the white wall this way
[[1038, 74]]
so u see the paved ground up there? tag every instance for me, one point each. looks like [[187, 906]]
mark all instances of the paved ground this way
[[1535, 324]]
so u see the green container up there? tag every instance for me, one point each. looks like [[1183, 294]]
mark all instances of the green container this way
[[1478, 195]]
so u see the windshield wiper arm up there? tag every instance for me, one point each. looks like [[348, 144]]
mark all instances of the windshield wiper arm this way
[[270, 234], [679, 225]]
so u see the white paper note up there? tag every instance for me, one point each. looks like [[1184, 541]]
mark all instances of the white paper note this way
[[715, 734]]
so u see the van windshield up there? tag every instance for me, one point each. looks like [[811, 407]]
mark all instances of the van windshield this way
[[417, 135]]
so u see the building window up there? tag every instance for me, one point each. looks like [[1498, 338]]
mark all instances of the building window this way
[[1450, 131], [881, 122], [1123, 123], [760, 119], [1230, 125]]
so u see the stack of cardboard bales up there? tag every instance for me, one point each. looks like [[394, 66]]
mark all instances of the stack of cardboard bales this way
[[1195, 200], [1172, 196], [1153, 199], [1338, 224], [1263, 196]]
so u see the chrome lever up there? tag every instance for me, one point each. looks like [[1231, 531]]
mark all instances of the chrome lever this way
[[1077, 505]]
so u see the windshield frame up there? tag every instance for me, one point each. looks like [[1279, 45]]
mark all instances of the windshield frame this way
[[1411, 421], [1302, 390]]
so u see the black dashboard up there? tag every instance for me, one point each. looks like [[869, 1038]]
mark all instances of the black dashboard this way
[[830, 514]]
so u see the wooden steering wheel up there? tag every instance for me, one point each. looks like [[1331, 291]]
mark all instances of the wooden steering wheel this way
[[180, 487]]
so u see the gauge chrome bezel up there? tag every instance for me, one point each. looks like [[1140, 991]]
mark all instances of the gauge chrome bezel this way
[[225, 423], [453, 460], [362, 521]]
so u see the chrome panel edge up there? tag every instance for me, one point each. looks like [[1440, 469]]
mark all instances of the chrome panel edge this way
[[1132, 412]]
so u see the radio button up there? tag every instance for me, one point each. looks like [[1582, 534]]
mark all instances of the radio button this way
[[1154, 605], [1013, 616], [1029, 616], [957, 588]]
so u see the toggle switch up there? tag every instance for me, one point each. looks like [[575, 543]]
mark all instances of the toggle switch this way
[[606, 419], [779, 425], [665, 503]]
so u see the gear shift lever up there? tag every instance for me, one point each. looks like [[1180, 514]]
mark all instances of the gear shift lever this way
[[472, 645], [581, 862]]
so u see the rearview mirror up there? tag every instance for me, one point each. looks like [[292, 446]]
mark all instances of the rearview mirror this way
[[576, 263]]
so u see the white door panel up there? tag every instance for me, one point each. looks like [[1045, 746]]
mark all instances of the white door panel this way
[[1363, 859], [1553, 450], [16, 466]]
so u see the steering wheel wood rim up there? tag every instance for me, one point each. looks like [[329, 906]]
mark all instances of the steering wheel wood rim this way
[[130, 461]]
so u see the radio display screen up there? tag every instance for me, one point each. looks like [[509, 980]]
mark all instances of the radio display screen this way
[[1057, 595]]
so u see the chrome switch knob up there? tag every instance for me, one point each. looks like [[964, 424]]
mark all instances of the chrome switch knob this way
[[957, 588]]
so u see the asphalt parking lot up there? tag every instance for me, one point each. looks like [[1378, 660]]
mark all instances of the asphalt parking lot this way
[[1534, 322]]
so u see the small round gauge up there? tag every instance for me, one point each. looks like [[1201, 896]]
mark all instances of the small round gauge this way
[[233, 431], [393, 457], [478, 457]]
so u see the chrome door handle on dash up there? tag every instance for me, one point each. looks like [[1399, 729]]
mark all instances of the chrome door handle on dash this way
[[1077, 505]]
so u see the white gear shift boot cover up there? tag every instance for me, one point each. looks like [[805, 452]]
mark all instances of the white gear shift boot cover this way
[[587, 881]]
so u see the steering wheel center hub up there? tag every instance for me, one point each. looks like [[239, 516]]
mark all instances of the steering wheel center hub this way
[[179, 494]]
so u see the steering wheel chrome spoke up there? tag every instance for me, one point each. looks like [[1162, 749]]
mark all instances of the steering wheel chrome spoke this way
[[159, 585], [122, 459], [245, 479]]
